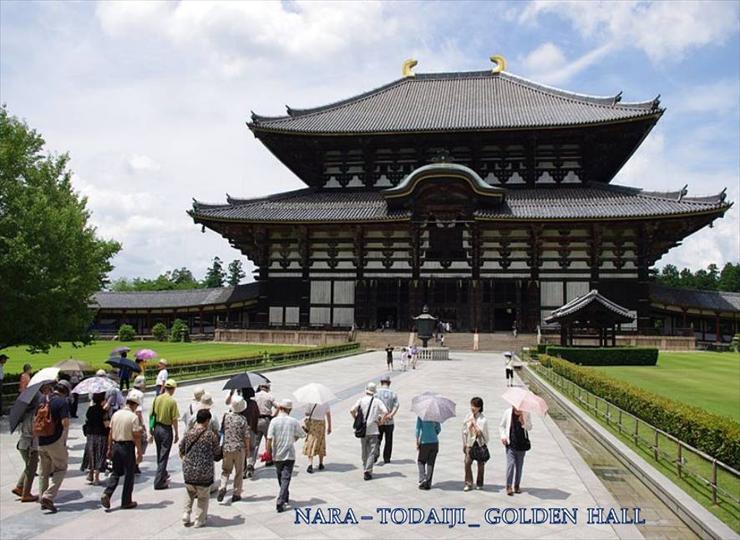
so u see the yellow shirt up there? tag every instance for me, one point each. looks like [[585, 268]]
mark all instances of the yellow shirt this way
[[165, 409], [123, 424]]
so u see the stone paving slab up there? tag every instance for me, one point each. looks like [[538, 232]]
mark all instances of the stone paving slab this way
[[554, 474]]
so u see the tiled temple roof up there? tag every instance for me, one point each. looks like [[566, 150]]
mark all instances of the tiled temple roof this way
[[186, 298], [695, 298], [479, 100], [591, 300]]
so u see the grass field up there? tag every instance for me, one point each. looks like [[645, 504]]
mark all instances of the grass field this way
[[98, 352], [709, 380]]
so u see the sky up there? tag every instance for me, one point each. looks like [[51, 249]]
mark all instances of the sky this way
[[151, 99]]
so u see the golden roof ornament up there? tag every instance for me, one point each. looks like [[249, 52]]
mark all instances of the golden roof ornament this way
[[500, 62], [408, 65]]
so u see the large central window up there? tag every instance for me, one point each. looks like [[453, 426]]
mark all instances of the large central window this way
[[446, 243]]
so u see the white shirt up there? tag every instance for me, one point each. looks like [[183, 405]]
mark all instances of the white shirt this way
[[319, 413], [482, 423], [504, 426], [284, 431], [162, 377], [377, 409]]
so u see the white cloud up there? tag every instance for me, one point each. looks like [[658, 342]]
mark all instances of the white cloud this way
[[139, 162], [548, 64], [664, 31], [719, 97]]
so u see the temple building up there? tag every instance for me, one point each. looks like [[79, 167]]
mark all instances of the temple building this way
[[483, 195]]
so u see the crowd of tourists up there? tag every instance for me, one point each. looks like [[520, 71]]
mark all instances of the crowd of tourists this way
[[118, 428]]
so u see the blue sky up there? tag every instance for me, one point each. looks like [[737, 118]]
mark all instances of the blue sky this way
[[151, 99]]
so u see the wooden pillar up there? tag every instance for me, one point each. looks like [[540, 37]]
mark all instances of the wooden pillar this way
[[200, 318], [703, 324], [717, 333], [614, 336]]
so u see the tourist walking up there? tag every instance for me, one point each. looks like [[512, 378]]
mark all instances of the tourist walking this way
[[509, 369], [124, 450], [192, 408], [28, 448], [475, 444], [74, 379], [282, 435], [166, 414], [427, 445], [236, 443], [389, 357], [373, 413], [162, 376], [206, 402], [25, 378], [414, 356], [53, 454], [95, 430], [267, 410], [124, 374], [385, 431], [514, 431], [199, 449], [317, 426], [140, 388]]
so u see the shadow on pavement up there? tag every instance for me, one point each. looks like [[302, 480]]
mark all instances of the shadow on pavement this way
[[336, 467], [218, 521], [547, 493], [310, 502]]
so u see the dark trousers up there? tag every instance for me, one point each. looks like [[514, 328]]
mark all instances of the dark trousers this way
[[124, 464], [75, 400], [284, 470], [163, 440], [386, 430], [425, 461], [125, 382]]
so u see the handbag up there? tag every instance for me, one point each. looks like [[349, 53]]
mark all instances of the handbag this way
[[307, 418], [360, 423], [527, 445], [479, 452], [152, 418]]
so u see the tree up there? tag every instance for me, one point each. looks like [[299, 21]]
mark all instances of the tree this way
[[669, 276], [51, 259], [215, 274], [729, 278], [236, 273]]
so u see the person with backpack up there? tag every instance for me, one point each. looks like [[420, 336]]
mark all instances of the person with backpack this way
[[28, 448], [236, 433], [51, 425], [368, 413], [282, 435]]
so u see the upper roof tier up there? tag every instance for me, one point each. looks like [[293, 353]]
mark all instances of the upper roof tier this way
[[467, 101]]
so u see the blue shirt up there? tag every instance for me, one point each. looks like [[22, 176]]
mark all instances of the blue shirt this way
[[389, 399], [427, 431]]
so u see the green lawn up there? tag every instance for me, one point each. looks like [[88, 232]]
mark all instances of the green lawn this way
[[709, 380], [98, 352]]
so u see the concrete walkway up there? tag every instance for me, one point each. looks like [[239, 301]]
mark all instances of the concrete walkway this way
[[555, 476]]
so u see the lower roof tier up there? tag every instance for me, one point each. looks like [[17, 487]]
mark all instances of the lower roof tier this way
[[585, 202]]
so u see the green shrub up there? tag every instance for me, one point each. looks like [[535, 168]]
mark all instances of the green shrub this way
[[716, 435], [126, 332], [179, 331], [541, 348], [735, 343], [159, 331], [606, 356]]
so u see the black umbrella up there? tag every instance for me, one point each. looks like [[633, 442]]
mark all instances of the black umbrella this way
[[119, 362], [250, 379], [27, 399]]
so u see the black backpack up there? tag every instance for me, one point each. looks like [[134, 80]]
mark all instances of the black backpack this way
[[360, 424]]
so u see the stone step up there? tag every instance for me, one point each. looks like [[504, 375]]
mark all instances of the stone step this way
[[459, 341]]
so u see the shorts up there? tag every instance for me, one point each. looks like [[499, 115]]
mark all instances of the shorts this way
[[509, 373]]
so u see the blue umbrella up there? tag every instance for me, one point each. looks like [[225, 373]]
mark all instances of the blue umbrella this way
[[119, 362]]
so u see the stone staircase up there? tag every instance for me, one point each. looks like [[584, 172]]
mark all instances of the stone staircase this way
[[456, 341]]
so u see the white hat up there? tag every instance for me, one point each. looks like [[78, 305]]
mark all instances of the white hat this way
[[285, 404], [101, 373], [198, 392], [238, 404], [206, 401], [135, 396], [140, 382], [507, 353], [371, 388], [162, 361]]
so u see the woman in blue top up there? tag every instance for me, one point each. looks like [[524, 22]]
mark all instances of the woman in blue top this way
[[427, 443]]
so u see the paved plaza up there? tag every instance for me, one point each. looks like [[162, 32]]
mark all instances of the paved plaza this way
[[554, 475]]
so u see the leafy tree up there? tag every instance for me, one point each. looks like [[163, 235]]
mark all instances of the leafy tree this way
[[51, 259], [236, 273], [729, 278], [179, 278], [159, 331], [179, 331], [126, 332], [669, 275], [215, 275]]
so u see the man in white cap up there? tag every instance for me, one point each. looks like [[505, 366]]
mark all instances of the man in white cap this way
[[282, 435], [138, 391], [373, 413], [188, 415], [206, 402], [236, 443], [124, 449], [162, 376], [509, 369]]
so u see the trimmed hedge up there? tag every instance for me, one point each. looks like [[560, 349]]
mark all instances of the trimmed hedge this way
[[606, 356], [715, 435]]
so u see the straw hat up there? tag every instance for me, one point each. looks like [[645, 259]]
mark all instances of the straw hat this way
[[371, 388], [206, 401], [238, 404]]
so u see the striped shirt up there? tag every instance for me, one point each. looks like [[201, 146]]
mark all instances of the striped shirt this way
[[284, 431]]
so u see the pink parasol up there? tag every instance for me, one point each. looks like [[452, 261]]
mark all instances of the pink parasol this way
[[525, 400], [145, 354]]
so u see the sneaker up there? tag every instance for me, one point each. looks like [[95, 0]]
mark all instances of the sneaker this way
[[479, 488], [235, 498], [517, 490], [105, 501], [129, 506], [421, 485], [48, 504], [280, 508], [199, 524], [309, 469], [321, 467], [368, 476], [467, 487], [186, 518], [221, 495], [250, 471], [509, 491]]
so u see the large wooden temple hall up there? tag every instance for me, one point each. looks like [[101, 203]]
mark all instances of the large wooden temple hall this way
[[483, 195]]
